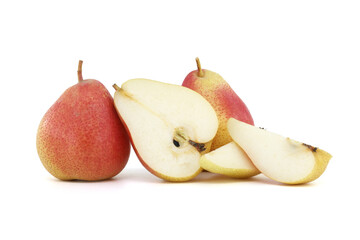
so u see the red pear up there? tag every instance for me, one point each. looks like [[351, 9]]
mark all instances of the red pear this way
[[80, 136], [222, 98]]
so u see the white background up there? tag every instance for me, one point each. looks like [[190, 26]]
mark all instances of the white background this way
[[296, 64]]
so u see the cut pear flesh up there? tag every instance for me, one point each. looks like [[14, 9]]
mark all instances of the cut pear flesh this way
[[280, 158], [170, 126], [229, 160]]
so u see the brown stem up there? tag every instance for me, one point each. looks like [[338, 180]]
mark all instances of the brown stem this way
[[79, 71], [200, 71], [199, 146], [116, 87]]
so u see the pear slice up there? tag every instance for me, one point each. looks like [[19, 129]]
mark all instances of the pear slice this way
[[280, 158], [170, 126], [229, 160]]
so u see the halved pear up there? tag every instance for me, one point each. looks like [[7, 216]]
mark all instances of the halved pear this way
[[280, 158], [170, 126], [229, 160]]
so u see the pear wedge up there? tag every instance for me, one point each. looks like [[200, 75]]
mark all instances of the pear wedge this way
[[229, 160], [279, 158]]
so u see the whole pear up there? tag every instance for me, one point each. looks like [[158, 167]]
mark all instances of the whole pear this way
[[81, 137], [223, 99]]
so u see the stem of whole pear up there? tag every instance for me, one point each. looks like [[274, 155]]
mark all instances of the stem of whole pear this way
[[200, 71], [79, 71]]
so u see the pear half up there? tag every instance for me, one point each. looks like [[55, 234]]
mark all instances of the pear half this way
[[170, 126], [279, 158], [229, 160]]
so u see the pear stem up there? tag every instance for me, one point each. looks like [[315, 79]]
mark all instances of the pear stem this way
[[200, 71], [116, 87], [79, 71]]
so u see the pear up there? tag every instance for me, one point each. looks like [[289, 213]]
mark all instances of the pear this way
[[222, 97], [170, 126], [279, 158], [81, 137], [229, 160]]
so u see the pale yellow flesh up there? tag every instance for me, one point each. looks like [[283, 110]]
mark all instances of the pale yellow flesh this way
[[278, 157], [229, 160], [152, 112]]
